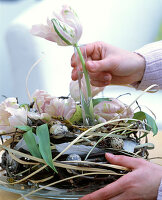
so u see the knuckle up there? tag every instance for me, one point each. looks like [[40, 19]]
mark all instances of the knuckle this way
[[112, 61]]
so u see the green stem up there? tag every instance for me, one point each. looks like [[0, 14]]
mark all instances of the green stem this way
[[86, 103], [84, 71]]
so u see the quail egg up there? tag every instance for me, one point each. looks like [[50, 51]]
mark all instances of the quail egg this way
[[58, 131], [116, 143]]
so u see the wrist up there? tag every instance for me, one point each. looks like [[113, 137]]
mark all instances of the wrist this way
[[141, 65]]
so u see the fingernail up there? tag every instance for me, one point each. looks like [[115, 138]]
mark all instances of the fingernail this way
[[110, 155], [106, 78]]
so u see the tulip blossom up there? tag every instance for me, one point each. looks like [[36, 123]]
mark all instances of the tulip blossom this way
[[53, 106], [41, 99], [107, 110], [11, 115], [63, 28], [61, 108], [74, 89]]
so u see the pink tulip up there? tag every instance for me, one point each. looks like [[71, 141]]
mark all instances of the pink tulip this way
[[53, 106], [61, 108], [107, 110], [41, 99]]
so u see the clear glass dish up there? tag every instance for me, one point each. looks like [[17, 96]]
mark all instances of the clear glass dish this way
[[45, 194]]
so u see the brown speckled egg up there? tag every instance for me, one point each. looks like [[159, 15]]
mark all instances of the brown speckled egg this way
[[116, 143]]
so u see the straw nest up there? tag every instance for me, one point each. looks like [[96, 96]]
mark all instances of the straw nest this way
[[77, 153]]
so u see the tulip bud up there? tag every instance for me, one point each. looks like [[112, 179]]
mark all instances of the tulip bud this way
[[63, 28], [74, 89]]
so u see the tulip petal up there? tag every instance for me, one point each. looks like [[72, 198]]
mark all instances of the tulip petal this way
[[61, 29], [107, 110]]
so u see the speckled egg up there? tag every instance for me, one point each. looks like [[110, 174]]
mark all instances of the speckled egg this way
[[116, 143]]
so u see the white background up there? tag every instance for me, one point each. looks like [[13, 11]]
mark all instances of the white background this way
[[128, 24]]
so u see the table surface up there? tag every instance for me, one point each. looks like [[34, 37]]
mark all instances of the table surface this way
[[157, 141]]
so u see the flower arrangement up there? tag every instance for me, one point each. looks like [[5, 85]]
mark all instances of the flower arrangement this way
[[47, 141]]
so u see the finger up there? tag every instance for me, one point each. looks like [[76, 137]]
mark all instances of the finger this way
[[73, 61], [95, 50], [101, 76], [109, 191], [75, 73], [100, 65], [125, 161], [100, 83]]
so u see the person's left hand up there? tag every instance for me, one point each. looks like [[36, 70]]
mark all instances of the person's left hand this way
[[141, 183]]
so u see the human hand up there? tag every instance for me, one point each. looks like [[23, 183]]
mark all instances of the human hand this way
[[108, 64], [141, 183]]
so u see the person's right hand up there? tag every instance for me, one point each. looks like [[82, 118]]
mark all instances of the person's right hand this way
[[142, 183], [108, 64]]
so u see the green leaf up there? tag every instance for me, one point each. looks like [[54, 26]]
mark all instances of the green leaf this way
[[152, 123], [77, 116], [149, 120], [24, 128], [31, 143], [44, 144], [98, 100], [139, 115]]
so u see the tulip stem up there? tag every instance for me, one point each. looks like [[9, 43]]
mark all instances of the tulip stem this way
[[86, 102], [84, 71]]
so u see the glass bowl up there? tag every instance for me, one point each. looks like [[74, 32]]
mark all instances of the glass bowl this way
[[45, 194]]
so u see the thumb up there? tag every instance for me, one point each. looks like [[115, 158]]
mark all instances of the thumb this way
[[98, 65], [125, 161]]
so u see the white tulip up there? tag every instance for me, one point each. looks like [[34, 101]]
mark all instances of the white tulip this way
[[11, 115], [63, 28]]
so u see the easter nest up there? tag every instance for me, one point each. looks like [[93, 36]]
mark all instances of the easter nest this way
[[72, 157]]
